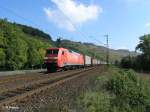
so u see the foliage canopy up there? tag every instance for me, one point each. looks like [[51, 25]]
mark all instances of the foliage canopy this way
[[142, 61], [21, 46]]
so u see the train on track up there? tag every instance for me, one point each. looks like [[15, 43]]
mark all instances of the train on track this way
[[64, 59]]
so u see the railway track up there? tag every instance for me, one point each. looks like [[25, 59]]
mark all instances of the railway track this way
[[27, 90], [7, 79], [8, 83]]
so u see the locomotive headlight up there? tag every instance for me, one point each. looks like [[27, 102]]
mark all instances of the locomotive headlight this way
[[54, 58], [45, 57], [50, 58]]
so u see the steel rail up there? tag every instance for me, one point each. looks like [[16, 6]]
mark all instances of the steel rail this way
[[49, 76], [15, 78], [35, 88]]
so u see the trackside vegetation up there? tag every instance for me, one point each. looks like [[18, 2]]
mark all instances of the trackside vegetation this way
[[142, 61], [117, 91], [21, 47]]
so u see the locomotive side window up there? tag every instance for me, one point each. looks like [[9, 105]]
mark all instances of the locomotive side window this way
[[55, 51], [63, 52]]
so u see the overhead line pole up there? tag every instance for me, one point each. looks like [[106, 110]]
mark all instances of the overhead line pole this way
[[107, 45]]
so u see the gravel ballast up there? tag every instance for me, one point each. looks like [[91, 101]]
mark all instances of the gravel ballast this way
[[62, 98]]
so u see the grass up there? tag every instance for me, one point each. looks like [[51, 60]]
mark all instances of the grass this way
[[144, 76], [117, 91]]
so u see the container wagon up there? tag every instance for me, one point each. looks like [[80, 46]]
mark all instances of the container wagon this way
[[87, 61]]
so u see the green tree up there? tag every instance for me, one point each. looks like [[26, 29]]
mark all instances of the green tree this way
[[21, 46], [142, 61], [33, 55], [126, 62], [59, 42], [2, 58], [144, 45]]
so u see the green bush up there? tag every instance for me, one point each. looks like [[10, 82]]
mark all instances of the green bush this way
[[95, 102], [132, 93], [123, 91]]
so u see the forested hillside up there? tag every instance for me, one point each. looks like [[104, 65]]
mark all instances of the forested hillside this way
[[95, 51], [21, 47]]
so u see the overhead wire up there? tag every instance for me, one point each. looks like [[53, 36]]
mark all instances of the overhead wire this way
[[8, 10], [83, 36], [18, 15]]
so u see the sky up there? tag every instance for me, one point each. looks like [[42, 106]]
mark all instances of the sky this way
[[84, 20]]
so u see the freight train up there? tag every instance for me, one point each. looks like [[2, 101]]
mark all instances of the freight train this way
[[64, 59]]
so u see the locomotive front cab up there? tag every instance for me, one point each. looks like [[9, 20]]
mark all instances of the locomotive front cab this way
[[51, 59]]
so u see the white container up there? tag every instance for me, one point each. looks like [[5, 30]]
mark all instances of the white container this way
[[87, 60]]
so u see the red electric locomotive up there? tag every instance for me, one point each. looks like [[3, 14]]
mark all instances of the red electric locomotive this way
[[61, 58]]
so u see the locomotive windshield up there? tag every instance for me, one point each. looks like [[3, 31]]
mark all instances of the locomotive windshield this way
[[54, 51]]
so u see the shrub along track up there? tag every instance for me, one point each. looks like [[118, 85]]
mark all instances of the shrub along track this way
[[29, 89]]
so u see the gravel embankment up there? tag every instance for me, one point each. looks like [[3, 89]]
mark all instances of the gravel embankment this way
[[61, 98], [20, 72]]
